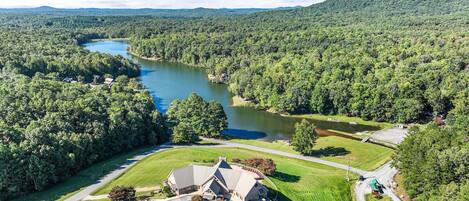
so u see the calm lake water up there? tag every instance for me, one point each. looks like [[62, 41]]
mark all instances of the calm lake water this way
[[169, 81]]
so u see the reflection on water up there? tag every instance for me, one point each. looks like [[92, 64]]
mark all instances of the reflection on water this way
[[169, 81]]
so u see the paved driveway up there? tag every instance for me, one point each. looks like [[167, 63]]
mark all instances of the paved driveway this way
[[85, 193], [384, 174]]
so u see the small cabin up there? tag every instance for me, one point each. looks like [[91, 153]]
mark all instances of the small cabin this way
[[68, 79], [108, 81]]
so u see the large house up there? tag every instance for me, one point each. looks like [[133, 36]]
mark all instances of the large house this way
[[218, 181]]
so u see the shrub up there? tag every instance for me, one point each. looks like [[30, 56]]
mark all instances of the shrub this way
[[122, 193], [266, 166]]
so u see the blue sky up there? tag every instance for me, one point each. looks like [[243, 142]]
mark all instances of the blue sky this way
[[157, 3]]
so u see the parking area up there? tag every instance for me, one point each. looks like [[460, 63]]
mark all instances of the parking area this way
[[393, 135]]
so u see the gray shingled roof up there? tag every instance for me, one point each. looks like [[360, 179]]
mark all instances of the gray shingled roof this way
[[197, 175], [222, 164], [245, 184]]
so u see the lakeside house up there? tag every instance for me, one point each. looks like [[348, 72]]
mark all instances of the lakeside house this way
[[108, 81], [219, 181], [68, 79]]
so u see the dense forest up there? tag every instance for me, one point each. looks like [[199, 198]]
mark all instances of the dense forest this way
[[435, 161], [51, 129], [56, 51], [360, 58], [385, 60], [399, 61]]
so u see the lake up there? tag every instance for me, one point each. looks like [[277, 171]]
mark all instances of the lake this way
[[169, 81]]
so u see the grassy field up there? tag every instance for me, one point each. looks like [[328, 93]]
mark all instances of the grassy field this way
[[84, 178], [342, 118], [295, 179], [365, 156], [370, 197]]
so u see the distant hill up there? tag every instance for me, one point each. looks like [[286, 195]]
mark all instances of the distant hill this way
[[393, 7], [348, 12], [197, 12]]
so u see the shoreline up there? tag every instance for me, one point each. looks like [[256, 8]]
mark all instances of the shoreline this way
[[108, 39], [238, 101], [142, 57]]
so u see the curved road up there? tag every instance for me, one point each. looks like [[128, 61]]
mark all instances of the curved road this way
[[384, 174], [86, 192]]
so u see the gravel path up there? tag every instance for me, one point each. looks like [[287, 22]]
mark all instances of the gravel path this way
[[384, 174]]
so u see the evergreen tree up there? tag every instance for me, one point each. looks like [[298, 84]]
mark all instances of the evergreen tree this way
[[304, 138]]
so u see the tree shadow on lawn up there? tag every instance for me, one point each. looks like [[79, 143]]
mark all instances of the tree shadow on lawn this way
[[330, 151], [285, 177], [277, 195]]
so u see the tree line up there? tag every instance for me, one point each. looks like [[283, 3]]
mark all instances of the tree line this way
[[434, 161], [384, 67], [49, 129], [29, 51], [398, 61]]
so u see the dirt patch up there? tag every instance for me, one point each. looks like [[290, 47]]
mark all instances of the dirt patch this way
[[146, 189], [325, 133], [238, 101], [400, 191]]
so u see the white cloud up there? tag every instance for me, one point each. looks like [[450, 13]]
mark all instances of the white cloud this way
[[157, 3]]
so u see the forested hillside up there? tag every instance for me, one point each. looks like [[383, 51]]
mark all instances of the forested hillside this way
[[435, 161], [386, 60], [186, 13], [398, 61], [50, 129], [30, 50]]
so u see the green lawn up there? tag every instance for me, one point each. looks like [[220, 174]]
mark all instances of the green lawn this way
[[365, 156], [295, 179], [370, 197], [84, 178], [342, 118]]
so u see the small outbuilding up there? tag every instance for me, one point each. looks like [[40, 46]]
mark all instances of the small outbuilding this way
[[108, 81]]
